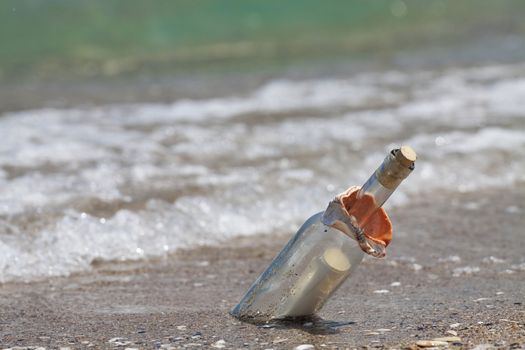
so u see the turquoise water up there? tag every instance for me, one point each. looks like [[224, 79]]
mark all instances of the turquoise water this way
[[51, 39]]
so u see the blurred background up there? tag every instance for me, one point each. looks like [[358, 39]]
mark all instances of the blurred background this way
[[161, 50], [131, 129]]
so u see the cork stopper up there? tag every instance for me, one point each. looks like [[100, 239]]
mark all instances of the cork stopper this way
[[406, 156], [396, 167]]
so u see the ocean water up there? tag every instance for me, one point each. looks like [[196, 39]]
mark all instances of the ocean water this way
[[139, 181]]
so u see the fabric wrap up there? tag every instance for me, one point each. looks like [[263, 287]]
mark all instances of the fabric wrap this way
[[344, 212]]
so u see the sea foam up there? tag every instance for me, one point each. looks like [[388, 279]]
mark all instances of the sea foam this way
[[127, 182]]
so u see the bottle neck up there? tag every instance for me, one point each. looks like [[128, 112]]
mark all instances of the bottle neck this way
[[374, 188], [383, 182]]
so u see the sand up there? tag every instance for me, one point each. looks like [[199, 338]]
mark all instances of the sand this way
[[453, 269]]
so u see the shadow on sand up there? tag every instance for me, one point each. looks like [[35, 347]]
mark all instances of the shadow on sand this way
[[310, 324]]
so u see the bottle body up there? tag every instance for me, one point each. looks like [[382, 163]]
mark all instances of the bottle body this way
[[304, 274], [328, 247]]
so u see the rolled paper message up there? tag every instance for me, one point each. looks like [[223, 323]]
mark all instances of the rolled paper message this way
[[321, 277]]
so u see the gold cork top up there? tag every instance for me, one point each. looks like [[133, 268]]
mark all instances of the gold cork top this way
[[396, 166], [406, 156]]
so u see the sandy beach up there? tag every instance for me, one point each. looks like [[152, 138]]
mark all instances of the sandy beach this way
[[451, 272]]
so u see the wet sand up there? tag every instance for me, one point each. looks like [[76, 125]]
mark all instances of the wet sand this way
[[438, 280]]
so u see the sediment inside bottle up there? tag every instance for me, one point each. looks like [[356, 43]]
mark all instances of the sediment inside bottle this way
[[322, 276]]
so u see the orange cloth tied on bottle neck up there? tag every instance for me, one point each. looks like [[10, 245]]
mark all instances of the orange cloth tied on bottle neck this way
[[346, 212], [378, 227]]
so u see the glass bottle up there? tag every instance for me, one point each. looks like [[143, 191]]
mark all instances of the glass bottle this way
[[327, 247]]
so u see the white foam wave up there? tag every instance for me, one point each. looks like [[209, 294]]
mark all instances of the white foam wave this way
[[137, 181]]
